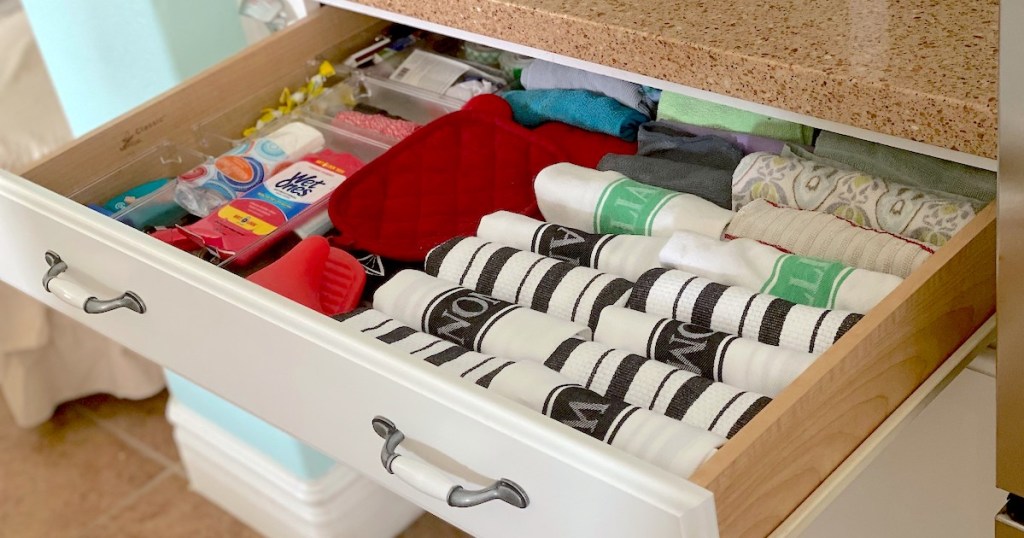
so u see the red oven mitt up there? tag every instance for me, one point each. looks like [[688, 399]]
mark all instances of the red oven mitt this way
[[440, 181]]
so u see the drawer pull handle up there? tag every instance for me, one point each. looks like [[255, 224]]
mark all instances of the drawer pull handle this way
[[76, 295], [429, 480]]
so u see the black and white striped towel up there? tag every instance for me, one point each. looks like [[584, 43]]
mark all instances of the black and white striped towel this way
[[687, 297], [496, 327], [678, 448], [741, 362], [472, 319], [627, 256], [543, 284], [674, 392]]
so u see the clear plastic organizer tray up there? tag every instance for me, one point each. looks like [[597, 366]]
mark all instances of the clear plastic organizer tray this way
[[402, 100], [161, 208], [165, 161]]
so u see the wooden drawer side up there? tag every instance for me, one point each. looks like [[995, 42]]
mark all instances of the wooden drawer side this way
[[770, 467], [261, 70]]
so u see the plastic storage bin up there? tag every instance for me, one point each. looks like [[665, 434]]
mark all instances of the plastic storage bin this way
[[257, 491], [301, 460]]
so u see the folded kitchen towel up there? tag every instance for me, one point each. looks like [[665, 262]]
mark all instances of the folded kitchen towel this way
[[544, 75], [472, 319], [628, 256], [676, 447], [741, 362], [608, 202], [663, 140], [685, 109], [828, 237], [753, 265], [670, 158], [790, 181], [683, 296], [708, 183], [559, 288], [580, 108], [674, 392], [745, 142], [908, 168]]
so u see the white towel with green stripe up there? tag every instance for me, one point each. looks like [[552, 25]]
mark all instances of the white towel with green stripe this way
[[756, 266], [610, 203]]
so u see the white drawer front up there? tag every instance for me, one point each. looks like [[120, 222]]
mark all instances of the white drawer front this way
[[300, 371]]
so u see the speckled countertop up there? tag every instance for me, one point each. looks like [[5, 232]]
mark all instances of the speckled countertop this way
[[919, 69]]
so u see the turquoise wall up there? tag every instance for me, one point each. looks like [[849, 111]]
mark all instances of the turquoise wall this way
[[106, 57]]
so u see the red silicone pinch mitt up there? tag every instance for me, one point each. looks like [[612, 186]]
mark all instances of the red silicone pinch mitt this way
[[314, 274]]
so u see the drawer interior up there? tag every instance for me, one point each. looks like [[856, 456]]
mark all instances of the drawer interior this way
[[771, 465]]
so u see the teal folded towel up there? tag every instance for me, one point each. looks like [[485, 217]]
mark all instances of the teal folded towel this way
[[906, 167], [685, 109], [579, 108]]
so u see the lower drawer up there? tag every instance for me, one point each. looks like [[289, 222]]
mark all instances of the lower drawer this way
[[303, 373]]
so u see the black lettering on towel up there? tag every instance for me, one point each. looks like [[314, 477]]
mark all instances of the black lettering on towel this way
[[689, 346], [585, 410], [464, 316], [569, 244]]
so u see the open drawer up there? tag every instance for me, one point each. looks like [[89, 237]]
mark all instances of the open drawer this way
[[300, 371]]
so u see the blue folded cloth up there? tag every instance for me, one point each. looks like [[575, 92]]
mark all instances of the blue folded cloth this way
[[542, 75], [579, 108]]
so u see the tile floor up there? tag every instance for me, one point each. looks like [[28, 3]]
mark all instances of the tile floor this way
[[104, 467]]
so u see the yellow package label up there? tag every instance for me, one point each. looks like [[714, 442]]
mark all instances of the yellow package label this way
[[245, 220]]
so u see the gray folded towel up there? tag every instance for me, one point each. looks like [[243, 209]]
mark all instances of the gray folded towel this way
[[671, 158], [543, 75], [710, 184]]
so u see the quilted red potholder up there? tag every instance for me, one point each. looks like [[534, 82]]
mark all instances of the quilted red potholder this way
[[439, 182]]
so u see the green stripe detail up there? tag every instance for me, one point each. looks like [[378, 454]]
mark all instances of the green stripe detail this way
[[601, 200], [628, 207], [807, 281]]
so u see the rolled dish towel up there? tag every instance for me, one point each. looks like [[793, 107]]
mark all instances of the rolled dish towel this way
[[924, 215], [472, 319], [828, 237], [628, 256], [670, 293], [908, 168], [685, 109], [676, 447], [803, 280], [559, 288], [741, 362], [674, 392], [580, 108], [544, 75], [608, 202]]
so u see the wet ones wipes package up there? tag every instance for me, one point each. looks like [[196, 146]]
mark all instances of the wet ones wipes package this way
[[246, 226]]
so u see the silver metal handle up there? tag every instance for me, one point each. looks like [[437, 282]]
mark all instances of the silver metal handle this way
[[76, 295], [433, 482]]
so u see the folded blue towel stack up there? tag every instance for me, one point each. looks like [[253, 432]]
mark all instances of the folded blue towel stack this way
[[579, 108]]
